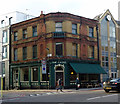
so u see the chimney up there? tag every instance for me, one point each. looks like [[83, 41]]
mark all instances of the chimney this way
[[41, 12]]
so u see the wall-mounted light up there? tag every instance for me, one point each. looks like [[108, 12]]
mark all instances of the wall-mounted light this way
[[72, 73]]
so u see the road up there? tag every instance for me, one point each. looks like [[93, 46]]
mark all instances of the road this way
[[69, 96]]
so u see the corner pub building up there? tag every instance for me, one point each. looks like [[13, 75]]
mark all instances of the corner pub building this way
[[66, 43]]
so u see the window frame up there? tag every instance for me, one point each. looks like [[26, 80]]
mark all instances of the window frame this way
[[15, 36], [24, 33], [91, 33], [15, 54], [91, 53], [34, 51], [74, 28], [59, 52], [6, 40], [34, 30], [58, 27], [24, 53], [4, 48]]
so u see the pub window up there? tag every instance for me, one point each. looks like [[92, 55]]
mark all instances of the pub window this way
[[24, 33], [74, 28], [24, 53], [34, 31], [15, 54], [58, 27], [59, 49], [15, 36], [91, 52], [35, 51], [91, 32], [34, 74], [74, 49]]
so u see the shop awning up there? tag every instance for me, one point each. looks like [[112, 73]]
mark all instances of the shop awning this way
[[87, 68]]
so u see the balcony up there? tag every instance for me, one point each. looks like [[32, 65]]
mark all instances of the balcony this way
[[58, 34]]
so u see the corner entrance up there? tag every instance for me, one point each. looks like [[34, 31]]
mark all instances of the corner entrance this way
[[59, 74]]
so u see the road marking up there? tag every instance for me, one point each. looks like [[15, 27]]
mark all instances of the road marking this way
[[101, 97], [109, 95], [94, 98]]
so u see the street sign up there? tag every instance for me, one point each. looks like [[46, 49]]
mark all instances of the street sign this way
[[43, 66]]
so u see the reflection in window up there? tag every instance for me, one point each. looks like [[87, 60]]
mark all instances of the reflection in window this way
[[24, 33], [15, 54], [4, 52], [34, 31], [74, 28], [91, 52], [58, 27], [15, 36], [59, 49], [91, 32], [34, 74], [74, 49], [24, 53], [4, 36]]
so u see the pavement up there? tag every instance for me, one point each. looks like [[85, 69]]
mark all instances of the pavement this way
[[10, 94]]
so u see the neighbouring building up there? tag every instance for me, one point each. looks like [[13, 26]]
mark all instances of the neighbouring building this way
[[108, 45], [6, 20], [52, 46]]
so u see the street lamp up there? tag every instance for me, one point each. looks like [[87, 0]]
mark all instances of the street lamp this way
[[48, 55]]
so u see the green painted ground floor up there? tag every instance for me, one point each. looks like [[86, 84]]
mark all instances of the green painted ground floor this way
[[31, 75]]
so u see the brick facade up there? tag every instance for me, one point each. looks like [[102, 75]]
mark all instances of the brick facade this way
[[47, 37]]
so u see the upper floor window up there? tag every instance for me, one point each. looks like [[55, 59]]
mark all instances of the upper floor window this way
[[35, 51], [59, 49], [74, 28], [24, 33], [3, 67], [15, 36], [24, 53], [34, 31], [74, 49], [58, 27], [15, 54], [4, 52], [4, 36], [91, 52], [91, 32]]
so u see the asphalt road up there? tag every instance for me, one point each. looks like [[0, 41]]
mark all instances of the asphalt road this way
[[69, 96]]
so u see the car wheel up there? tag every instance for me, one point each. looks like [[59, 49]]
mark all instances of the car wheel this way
[[107, 91]]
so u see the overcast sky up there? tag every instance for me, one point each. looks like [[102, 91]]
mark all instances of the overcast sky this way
[[85, 8]]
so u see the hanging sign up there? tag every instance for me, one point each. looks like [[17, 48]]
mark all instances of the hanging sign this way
[[43, 66]]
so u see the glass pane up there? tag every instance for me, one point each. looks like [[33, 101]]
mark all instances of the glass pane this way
[[59, 24]]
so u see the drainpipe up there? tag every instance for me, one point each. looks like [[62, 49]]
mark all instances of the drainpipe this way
[[98, 40]]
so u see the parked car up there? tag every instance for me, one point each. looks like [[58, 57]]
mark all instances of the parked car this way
[[112, 84]]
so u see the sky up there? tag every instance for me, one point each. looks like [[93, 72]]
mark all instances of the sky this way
[[85, 8]]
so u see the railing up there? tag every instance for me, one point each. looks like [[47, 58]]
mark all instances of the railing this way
[[58, 35], [34, 83], [24, 83]]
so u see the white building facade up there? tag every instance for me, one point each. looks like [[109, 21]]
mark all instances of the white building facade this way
[[6, 21]]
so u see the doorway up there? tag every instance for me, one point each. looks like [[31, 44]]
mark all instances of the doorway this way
[[59, 74], [15, 78]]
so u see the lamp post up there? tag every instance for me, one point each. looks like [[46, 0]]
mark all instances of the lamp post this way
[[1, 73], [48, 55]]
